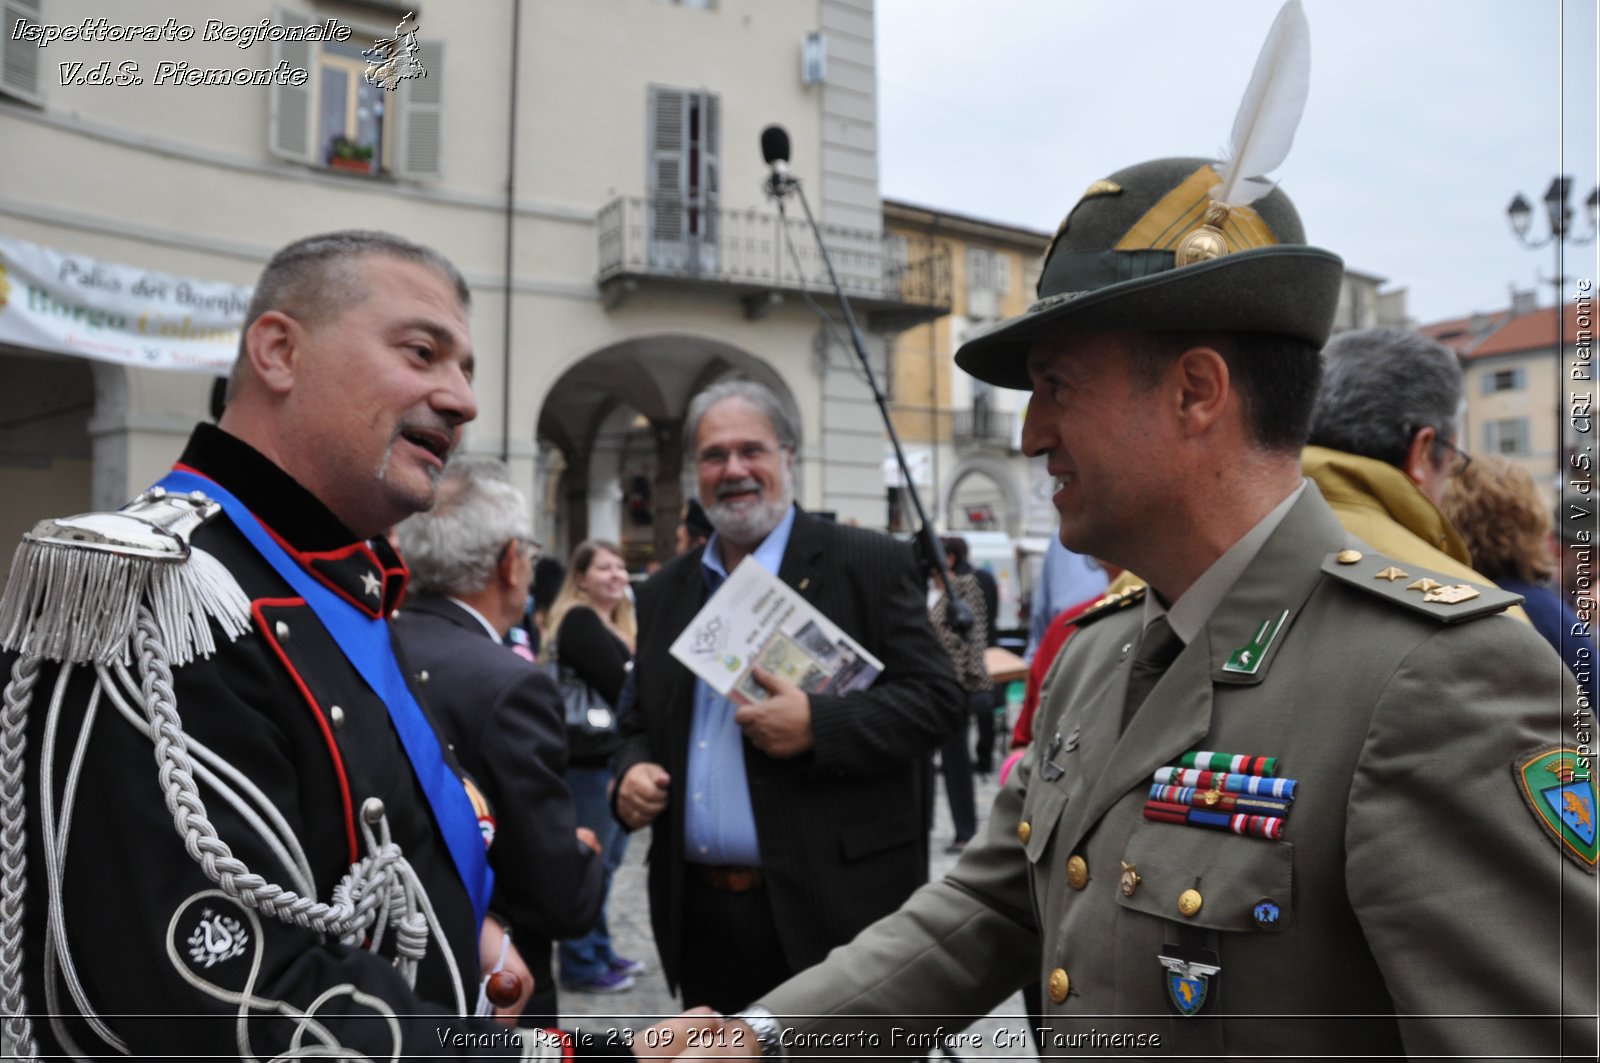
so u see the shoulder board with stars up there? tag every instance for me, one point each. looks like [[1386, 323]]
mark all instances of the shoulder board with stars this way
[[1447, 599], [1111, 603]]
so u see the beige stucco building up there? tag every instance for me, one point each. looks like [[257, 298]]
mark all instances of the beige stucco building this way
[[1365, 303], [592, 166], [963, 437]]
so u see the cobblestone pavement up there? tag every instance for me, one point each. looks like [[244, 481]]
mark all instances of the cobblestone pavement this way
[[1000, 1035]]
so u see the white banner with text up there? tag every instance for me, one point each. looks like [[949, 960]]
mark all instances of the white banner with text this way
[[74, 304]]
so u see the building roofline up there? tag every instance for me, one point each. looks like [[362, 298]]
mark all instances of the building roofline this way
[[1508, 334], [1364, 275], [916, 214]]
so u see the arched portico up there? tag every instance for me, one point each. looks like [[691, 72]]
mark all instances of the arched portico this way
[[983, 496]]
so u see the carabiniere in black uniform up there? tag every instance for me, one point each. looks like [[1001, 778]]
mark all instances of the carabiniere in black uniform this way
[[148, 953]]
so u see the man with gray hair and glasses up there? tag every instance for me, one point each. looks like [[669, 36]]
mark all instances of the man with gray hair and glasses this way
[[784, 827], [471, 558], [1383, 445]]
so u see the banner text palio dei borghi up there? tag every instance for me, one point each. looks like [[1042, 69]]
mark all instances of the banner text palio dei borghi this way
[[73, 304]]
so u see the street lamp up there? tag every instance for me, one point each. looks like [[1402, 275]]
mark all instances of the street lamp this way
[[1557, 205]]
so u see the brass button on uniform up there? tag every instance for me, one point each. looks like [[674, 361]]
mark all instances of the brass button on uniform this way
[[1059, 984], [1077, 872], [336, 717], [1130, 879], [1348, 557], [1189, 902], [1024, 832]]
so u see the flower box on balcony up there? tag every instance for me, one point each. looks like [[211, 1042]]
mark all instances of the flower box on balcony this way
[[346, 154], [353, 165]]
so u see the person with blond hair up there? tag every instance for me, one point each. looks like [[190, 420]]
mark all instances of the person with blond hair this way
[[592, 638], [1496, 507]]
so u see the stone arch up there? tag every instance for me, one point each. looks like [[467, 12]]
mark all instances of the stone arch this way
[[980, 481]]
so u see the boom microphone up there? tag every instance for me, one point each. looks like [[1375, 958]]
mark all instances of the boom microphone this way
[[775, 148]]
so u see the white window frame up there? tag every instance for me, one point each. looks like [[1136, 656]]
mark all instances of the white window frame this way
[[988, 271], [412, 142], [685, 223], [1517, 376], [1507, 436]]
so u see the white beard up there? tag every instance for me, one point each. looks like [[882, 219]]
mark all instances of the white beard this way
[[747, 525]]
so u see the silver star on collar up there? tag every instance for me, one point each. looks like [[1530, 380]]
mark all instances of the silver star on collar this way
[[371, 584]]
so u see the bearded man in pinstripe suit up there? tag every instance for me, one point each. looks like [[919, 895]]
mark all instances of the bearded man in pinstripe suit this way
[[785, 827]]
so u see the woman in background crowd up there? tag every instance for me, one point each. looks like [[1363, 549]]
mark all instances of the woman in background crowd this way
[[592, 634], [966, 653], [1496, 507]]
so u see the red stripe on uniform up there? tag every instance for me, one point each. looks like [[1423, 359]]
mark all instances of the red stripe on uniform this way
[[316, 711]]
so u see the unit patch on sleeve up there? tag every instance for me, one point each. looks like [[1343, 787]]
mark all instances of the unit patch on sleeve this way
[[1560, 790], [215, 944]]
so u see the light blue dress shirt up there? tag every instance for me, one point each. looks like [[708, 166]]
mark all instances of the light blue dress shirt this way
[[719, 823], [1065, 579]]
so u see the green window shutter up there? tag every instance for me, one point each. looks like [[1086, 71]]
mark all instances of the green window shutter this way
[[420, 144], [20, 61], [667, 179], [667, 183], [710, 168], [291, 119]]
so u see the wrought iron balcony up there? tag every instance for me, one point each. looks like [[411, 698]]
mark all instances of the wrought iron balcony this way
[[666, 242], [980, 425]]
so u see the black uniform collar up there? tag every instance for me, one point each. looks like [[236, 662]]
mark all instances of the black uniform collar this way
[[300, 522]]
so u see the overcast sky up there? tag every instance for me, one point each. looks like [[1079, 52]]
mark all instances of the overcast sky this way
[[1425, 117]]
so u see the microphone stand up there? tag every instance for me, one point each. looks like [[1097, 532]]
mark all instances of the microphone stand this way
[[958, 617]]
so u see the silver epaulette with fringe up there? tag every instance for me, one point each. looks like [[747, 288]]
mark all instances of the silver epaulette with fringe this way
[[77, 584], [110, 590], [100, 589]]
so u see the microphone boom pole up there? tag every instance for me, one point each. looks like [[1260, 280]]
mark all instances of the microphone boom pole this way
[[957, 615]]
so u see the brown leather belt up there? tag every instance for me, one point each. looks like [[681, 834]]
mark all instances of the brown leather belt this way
[[727, 879]]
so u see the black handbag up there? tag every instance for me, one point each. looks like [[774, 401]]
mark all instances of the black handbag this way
[[591, 723]]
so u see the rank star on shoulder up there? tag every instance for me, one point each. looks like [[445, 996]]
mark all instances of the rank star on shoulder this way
[[1452, 594], [371, 584]]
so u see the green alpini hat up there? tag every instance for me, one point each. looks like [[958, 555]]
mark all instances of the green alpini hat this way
[[1186, 244]]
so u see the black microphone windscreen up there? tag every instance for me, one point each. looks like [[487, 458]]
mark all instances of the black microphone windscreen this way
[[774, 144]]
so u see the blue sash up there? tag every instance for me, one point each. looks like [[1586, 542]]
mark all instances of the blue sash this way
[[365, 643]]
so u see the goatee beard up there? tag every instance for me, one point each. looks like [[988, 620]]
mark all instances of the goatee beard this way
[[748, 525]]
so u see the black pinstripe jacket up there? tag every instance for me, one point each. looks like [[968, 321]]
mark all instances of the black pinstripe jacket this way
[[842, 827]]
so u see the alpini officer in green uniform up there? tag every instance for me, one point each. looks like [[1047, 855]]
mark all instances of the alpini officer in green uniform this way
[[1297, 799]]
